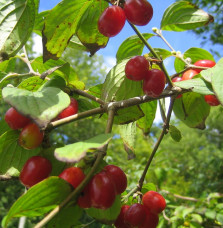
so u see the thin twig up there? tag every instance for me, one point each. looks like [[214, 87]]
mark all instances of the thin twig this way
[[87, 95], [15, 75], [79, 189], [165, 127], [181, 197]]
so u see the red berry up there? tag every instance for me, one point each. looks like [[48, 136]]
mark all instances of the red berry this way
[[154, 202], [118, 177], [15, 120], [154, 83], [151, 220], [120, 222], [135, 215], [137, 68], [70, 110], [212, 100], [84, 200], [102, 191], [138, 12], [177, 79], [30, 137], [189, 74], [73, 175], [204, 63], [111, 21], [36, 169]]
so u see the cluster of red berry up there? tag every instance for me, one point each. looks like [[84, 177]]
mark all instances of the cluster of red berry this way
[[31, 136], [112, 20], [189, 74], [143, 215], [154, 80]]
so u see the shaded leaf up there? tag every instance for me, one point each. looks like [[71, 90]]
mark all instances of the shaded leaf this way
[[11, 153], [16, 24], [132, 46], [39, 199], [76, 151], [182, 16], [41, 106], [149, 109], [56, 81], [175, 133], [192, 110]]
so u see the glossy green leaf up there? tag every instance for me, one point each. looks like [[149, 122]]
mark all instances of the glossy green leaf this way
[[148, 187], [109, 215], [76, 44], [217, 79], [145, 123], [76, 151], [192, 110], [183, 15], [11, 153], [128, 135], [41, 106], [194, 54], [3, 126], [39, 199], [67, 217], [16, 24], [162, 53], [39, 22], [65, 18], [87, 31], [132, 46], [197, 85], [32, 84], [175, 133]]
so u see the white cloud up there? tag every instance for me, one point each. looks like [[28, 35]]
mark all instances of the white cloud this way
[[109, 62], [158, 118]]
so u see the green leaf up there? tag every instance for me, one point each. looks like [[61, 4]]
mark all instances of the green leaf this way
[[67, 217], [175, 133], [11, 153], [60, 25], [217, 80], [8, 65], [109, 215], [39, 199], [41, 106], [39, 22], [182, 16], [76, 151], [194, 54], [132, 46], [192, 110], [16, 24], [162, 53], [3, 126], [32, 84], [187, 211], [128, 135], [149, 109], [148, 187], [211, 214], [87, 31], [196, 218], [198, 85], [76, 44], [219, 218], [56, 81]]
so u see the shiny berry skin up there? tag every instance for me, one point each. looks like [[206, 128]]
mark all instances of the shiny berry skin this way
[[189, 74], [111, 21], [212, 100], [36, 169], [30, 137], [135, 215], [102, 191], [154, 202], [118, 177], [204, 63], [73, 175], [151, 220], [138, 12], [137, 68], [84, 200], [70, 110], [15, 120], [177, 79], [154, 83], [120, 222]]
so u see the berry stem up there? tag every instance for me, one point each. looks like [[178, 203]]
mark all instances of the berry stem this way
[[165, 128], [78, 190], [163, 68]]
